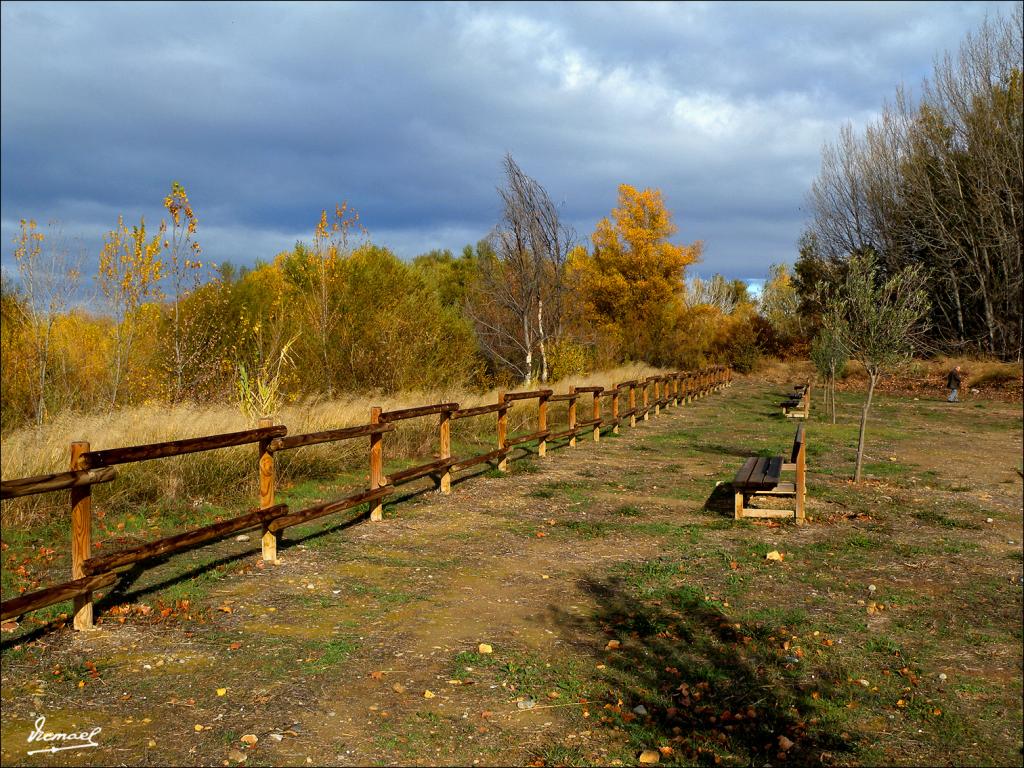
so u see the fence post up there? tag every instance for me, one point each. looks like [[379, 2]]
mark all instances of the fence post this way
[[657, 397], [572, 417], [597, 415], [266, 465], [615, 411], [502, 431], [444, 483], [376, 464], [542, 424], [643, 389], [81, 536], [675, 388], [632, 405]]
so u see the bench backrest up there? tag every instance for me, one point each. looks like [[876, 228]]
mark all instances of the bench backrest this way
[[798, 442]]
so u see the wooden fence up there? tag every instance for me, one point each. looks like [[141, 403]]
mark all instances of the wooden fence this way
[[88, 467]]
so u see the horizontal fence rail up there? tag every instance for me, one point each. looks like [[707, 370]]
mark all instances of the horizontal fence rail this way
[[27, 486], [88, 468]]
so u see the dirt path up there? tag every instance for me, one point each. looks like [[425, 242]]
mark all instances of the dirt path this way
[[381, 612]]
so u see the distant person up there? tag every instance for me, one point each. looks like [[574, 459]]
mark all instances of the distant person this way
[[953, 385]]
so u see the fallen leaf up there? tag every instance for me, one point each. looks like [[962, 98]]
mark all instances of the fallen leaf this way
[[221, 691], [612, 645], [234, 646], [238, 757], [428, 695], [398, 688], [774, 555], [249, 738], [485, 648], [665, 751], [733, 564], [377, 675], [785, 743], [197, 727]]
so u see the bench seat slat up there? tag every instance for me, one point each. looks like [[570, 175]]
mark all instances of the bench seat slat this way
[[757, 476], [743, 475]]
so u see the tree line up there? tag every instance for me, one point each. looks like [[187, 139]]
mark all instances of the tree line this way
[[936, 182], [530, 302]]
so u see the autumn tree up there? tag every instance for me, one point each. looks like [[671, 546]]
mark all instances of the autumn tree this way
[[878, 320], [780, 303], [314, 274], [632, 281], [189, 337], [47, 276], [130, 269]]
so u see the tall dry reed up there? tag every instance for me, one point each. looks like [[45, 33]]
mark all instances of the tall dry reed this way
[[228, 477]]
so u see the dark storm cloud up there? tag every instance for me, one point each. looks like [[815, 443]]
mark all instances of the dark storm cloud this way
[[268, 113]]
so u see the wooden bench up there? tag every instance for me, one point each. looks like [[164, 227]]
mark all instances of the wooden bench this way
[[798, 404], [761, 476]]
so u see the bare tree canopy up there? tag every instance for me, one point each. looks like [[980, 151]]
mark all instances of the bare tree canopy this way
[[940, 183], [517, 303]]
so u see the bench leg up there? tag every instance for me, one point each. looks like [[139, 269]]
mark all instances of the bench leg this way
[[739, 505]]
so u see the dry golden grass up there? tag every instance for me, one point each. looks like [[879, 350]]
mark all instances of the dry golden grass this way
[[219, 475]]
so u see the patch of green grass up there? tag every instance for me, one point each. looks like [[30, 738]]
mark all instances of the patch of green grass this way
[[935, 517], [884, 645], [328, 654], [628, 510]]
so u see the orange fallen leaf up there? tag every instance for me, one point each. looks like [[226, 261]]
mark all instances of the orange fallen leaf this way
[[234, 646], [377, 675]]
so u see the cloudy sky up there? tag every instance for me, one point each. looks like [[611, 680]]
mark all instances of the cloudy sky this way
[[268, 113]]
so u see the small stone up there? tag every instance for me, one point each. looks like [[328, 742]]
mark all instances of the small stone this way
[[942, 677], [864, 682], [641, 710], [988, 520], [310, 586], [650, 757], [872, 588], [241, 537]]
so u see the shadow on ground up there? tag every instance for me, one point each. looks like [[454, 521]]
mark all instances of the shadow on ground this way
[[713, 690], [722, 500]]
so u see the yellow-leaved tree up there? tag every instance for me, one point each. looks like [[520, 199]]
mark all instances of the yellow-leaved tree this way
[[632, 282], [129, 275]]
